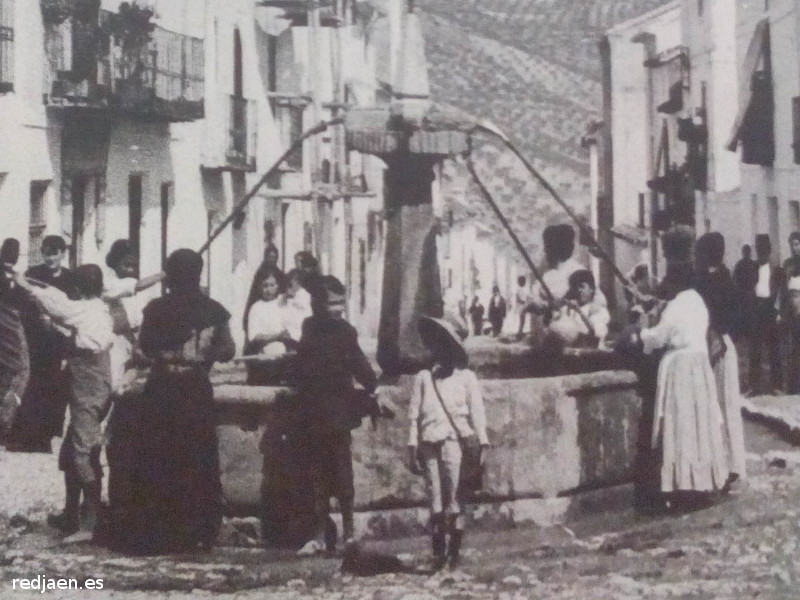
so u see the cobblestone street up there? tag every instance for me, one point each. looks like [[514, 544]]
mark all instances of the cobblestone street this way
[[746, 547]]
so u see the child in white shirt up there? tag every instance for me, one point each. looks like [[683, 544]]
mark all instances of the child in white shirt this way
[[446, 407], [90, 369]]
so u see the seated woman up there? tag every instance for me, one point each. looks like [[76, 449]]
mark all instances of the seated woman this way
[[581, 299], [268, 266], [267, 334]]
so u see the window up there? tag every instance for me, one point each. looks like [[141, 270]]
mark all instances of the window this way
[[348, 267], [308, 237], [284, 210], [794, 215], [372, 231], [288, 114], [754, 124], [295, 130], [6, 46], [177, 62], [238, 76], [362, 276], [269, 231], [37, 221], [641, 210], [272, 68], [774, 224]]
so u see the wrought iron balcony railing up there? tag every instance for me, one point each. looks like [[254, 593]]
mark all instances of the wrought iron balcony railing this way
[[162, 79]]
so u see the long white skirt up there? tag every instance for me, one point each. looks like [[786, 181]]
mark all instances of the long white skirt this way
[[688, 423], [726, 373]]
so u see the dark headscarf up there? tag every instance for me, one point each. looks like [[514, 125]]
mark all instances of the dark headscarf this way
[[9, 251], [679, 277], [184, 268], [170, 321], [677, 244]]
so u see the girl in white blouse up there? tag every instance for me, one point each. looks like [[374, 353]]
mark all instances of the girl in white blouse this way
[[265, 325], [446, 405]]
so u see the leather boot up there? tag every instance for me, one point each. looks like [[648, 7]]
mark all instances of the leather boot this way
[[439, 540], [456, 529], [91, 509]]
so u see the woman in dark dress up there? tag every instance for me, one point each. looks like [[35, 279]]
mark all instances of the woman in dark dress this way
[[168, 495], [723, 299]]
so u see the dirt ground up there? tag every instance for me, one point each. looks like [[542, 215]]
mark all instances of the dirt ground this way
[[745, 547]]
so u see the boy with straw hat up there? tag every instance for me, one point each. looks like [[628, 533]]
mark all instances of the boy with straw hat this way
[[446, 410]]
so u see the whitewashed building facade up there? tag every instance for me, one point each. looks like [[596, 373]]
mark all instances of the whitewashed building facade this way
[[741, 95], [156, 141]]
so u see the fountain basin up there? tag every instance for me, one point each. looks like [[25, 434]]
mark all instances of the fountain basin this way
[[553, 438]]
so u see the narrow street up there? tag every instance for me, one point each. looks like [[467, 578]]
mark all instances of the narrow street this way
[[745, 547]]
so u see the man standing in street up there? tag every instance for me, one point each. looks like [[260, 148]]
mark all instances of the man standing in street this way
[[790, 303], [40, 416], [522, 299], [765, 332], [497, 311], [745, 273]]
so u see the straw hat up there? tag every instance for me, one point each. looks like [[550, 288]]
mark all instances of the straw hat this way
[[446, 334]]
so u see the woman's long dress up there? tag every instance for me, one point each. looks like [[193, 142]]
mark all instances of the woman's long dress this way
[[166, 493], [687, 421], [725, 311]]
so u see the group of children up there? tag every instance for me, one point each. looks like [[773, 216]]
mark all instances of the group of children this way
[[75, 317]]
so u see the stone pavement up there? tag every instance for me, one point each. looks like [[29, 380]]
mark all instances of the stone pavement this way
[[745, 547]]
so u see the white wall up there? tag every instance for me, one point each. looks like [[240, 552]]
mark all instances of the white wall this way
[[781, 180], [630, 129]]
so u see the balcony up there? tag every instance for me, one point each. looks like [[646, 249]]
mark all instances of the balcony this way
[[296, 11], [160, 80], [287, 111], [241, 150]]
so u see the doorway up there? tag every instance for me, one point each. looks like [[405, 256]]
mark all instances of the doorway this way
[[135, 191], [77, 192]]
